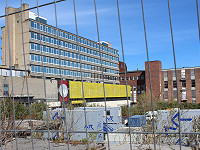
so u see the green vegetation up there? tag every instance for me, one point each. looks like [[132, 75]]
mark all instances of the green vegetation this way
[[84, 140], [7, 109], [144, 104], [37, 109], [21, 111]]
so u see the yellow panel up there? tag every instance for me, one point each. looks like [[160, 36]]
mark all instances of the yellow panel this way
[[77, 102], [95, 90]]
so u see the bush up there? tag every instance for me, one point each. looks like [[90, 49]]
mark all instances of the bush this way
[[144, 104], [37, 109], [21, 111], [7, 109]]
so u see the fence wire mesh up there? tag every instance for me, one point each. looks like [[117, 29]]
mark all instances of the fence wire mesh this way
[[60, 90]]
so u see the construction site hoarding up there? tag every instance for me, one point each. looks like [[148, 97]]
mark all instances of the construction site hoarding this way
[[95, 90]]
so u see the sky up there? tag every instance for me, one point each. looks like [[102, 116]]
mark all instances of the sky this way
[[184, 22]]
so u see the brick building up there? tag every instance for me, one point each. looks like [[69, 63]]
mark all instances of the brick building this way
[[121, 66], [164, 82], [136, 79]]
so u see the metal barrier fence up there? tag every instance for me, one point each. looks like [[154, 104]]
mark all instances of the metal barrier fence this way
[[71, 127]]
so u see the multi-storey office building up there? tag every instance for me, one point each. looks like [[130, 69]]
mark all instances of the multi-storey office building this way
[[188, 84], [164, 83], [58, 49]]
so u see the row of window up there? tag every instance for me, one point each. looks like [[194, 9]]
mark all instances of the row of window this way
[[192, 73], [54, 51], [175, 94], [63, 44], [55, 71], [15, 73], [133, 78], [53, 31], [183, 84], [55, 61]]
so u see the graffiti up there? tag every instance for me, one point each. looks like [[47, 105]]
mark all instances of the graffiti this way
[[56, 116], [89, 127], [181, 119], [57, 135], [99, 125], [176, 124], [110, 118], [99, 137], [107, 127]]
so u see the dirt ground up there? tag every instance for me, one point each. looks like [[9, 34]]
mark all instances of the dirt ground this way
[[26, 144]]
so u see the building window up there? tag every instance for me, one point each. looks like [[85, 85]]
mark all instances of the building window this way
[[142, 77], [184, 95], [32, 57], [165, 84], [192, 72], [122, 78], [173, 74], [174, 84], [108, 112], [175, 94], [184, 83], [127, 78], [193, 83], [182, 73], [6, 90], [165, 74], [194, 101], [134, 78], [193, 93], [32, 24], [130, 78], [166, 95]]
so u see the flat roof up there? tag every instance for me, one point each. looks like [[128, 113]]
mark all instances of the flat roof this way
[[132, 71]]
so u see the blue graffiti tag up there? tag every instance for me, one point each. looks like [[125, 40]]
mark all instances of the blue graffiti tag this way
[[99, 136], [99, 125], [57, 117], [173, 121], [181, 119], [57, 135], [89, 127], [106, 126], [169, 128], [110, 118], [56, 114]]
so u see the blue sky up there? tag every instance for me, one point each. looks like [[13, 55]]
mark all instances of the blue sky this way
[[184, 19]]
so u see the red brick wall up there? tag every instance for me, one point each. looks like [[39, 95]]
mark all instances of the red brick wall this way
[[197, 84], [133, 82], [155, 71], [188, 85], [121, 66], [162, 86], [170, 85]]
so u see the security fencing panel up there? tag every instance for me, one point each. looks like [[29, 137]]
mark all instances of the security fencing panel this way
[[63, 86]]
